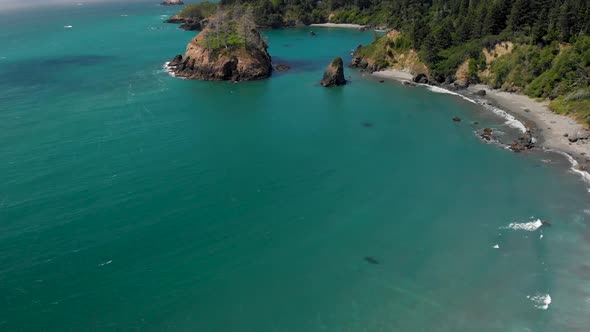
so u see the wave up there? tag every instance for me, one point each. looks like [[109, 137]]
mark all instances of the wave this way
[[167, 69], [541, 301], [530, 226], [511, 121], [574, 169]]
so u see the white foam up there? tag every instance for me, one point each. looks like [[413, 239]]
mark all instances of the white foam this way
[[511, 121], [124, 15], [169, 70], [497, 246], [68, 26], [530, 226], [540, 301], [575, 165], [105, 263], [541, 236]]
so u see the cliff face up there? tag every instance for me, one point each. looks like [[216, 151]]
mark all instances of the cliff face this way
[[236, 63], [334, 74], [388, 52]]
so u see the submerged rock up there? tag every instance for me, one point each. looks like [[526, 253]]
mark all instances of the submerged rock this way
[[456, 119], [371, 260], [282, 67], [334, 74]]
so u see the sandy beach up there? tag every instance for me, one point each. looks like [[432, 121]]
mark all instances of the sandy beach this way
[[337, 25], [552, 131], [394, 74]]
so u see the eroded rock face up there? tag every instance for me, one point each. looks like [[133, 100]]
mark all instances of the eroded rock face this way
[[420, 78], [334, 74], [236, 64]]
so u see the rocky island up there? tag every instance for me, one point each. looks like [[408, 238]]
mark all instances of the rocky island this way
[[334, 74], [228, 48], [172, 3]]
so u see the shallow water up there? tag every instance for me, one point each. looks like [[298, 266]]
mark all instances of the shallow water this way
[[131, 200]]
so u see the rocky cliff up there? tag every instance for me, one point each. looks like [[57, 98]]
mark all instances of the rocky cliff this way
[[210, 58]]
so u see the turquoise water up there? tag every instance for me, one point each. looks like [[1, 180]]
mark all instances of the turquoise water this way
[[131, 200]]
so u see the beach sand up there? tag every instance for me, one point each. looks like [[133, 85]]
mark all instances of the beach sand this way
[[551, 130], [548, 127]]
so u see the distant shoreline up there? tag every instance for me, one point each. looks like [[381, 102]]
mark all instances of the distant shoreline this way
[[337, 25], [552, 130]]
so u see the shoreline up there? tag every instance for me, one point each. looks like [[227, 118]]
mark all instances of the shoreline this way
[[554, 132], [337, 25]]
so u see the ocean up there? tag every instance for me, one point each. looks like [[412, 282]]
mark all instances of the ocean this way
[[133, 200]]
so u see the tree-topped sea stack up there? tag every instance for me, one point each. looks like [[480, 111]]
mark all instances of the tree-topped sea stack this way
[[334, 74], [229, 48]]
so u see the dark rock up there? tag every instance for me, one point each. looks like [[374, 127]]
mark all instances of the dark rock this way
[[356, 61], [527, 110], [408, 83], [480, 93], [187, 23], [371, 260], [381, 81], [172, 3], [456, 119], [282, 67], [311, 33], [363, 29], [334, 74], [546, 223], [420, 78], [460, 85], [367, 124], [487, 134], [176, 61], [523, 143]]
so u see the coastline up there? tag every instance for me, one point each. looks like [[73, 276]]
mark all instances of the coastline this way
[[337, 25], [552, 131]]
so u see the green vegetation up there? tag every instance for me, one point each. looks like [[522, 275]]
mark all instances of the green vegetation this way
[[550, 59], [198, 11], [232, 28]]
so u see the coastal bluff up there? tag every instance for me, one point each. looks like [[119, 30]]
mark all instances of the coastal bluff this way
[[226, 50]]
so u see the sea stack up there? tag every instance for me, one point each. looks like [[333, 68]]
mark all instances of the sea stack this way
[[230, 48], [172, 3], [334, 74]]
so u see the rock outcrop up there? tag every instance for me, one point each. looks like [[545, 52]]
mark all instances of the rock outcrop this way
[[187, 23], [420, 78], [215, 60], [523, 143], [334, 74], [172, 3]]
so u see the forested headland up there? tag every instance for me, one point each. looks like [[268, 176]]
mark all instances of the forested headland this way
[[537, 47]]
